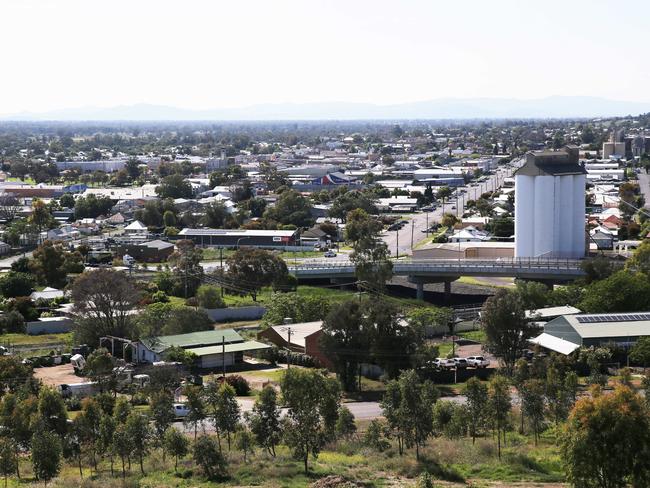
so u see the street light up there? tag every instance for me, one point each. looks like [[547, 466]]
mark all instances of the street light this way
[[241, 239]]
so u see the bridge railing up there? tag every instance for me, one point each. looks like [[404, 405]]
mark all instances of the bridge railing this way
[[498, 263]]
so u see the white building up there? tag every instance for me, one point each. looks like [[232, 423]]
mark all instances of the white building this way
[[550, 205]]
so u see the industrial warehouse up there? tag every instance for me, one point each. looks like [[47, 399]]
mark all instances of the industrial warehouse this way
[[233, 238], [214, 348], [567, 333]]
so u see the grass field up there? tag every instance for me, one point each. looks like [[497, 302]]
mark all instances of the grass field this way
[[35, 340]]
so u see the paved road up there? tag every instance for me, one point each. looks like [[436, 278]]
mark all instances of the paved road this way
[[644, 185], [360, 410], [7, 262], [399, 242]]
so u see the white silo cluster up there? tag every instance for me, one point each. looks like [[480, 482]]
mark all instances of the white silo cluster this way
[[550, 206]]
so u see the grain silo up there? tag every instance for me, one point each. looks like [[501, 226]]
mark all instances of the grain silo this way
[[550, 205]]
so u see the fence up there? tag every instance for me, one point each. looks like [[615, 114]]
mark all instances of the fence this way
[[236, 313]]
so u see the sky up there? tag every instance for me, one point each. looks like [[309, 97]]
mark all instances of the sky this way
[[203, 54]]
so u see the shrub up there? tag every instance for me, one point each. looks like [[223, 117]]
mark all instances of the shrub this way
[[159, 297], [207, 454], [239, 383], [209, 296]]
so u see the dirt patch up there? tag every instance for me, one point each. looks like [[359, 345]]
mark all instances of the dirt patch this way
[[58, 375], [335, 481]]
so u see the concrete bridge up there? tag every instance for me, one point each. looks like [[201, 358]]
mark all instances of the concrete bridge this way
[[421, 271]]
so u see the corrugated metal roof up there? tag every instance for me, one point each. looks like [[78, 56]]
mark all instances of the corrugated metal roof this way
[[555, 343], [192, 339], [237, 347], [612, 325]]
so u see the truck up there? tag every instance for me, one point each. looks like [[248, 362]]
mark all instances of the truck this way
[[78, 389]]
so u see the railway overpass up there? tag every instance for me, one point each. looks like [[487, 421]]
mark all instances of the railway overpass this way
[[421, 271]]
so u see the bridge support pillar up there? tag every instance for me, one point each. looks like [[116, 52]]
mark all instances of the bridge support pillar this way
[[419, 294], [447, 291]]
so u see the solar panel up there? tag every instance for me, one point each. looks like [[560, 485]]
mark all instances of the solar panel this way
[[594, 319]]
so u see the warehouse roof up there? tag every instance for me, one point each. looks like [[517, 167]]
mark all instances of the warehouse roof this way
[[237, 232], [192, 340], [236, 347], [299, 332], [550, 312], [610, 325], [556, 344]]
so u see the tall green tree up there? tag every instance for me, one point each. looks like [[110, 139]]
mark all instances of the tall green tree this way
[[507, 331], [308, 395], [176, 444], [370, 255], [499, 404], [264, 420], [252, 269], [138, 429], [532, 405], [291, 208], [46, 455], [477, 405], [8, 457]]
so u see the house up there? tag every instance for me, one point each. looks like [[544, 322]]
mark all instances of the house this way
[[4, 248], [47, 293], [469, 234], [585, 330], [604, 240], [213, 348], [136, 228], [115, 219], [302, 337], [315, 236]]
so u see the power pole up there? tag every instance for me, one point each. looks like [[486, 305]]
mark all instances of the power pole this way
[[397, 245], [223, 355], [289, 347], [412, 227], [427, 234], [221, 267]]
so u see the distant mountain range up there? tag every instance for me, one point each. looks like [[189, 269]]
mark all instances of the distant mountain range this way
[[442, 108]]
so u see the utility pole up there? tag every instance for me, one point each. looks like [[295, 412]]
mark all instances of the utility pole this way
[[289, 347], [397, 245], [427, 234], [221, 267], [223, 355], [412, 227]]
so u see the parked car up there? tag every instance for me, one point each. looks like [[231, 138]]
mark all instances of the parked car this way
[[478, 362], [460, 363], [444, 363], [180, 410], [330, 254]]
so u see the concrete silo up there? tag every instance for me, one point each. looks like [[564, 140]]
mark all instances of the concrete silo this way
[[550, 205]]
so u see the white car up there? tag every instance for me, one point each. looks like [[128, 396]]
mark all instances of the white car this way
[[180, 410], [330, 254], [443, 363], [478, 362]]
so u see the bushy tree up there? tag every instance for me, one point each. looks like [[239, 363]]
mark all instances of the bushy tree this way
[[507, 331], [103, 301], [499, 404], [252, 269], [46, 455], [624, 291], [291, 208], [209, 296], [309, 397], [370, 255], [605, 443], [477, 403], [207, 454], [176, 444], [299, 308], [407, 406], [8, 457], [174, 186], [264, 420], [15, 284]]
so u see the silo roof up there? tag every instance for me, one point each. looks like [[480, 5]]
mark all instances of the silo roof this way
[[550, 163]]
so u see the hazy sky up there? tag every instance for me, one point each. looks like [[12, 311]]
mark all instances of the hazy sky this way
[[231, 53]]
